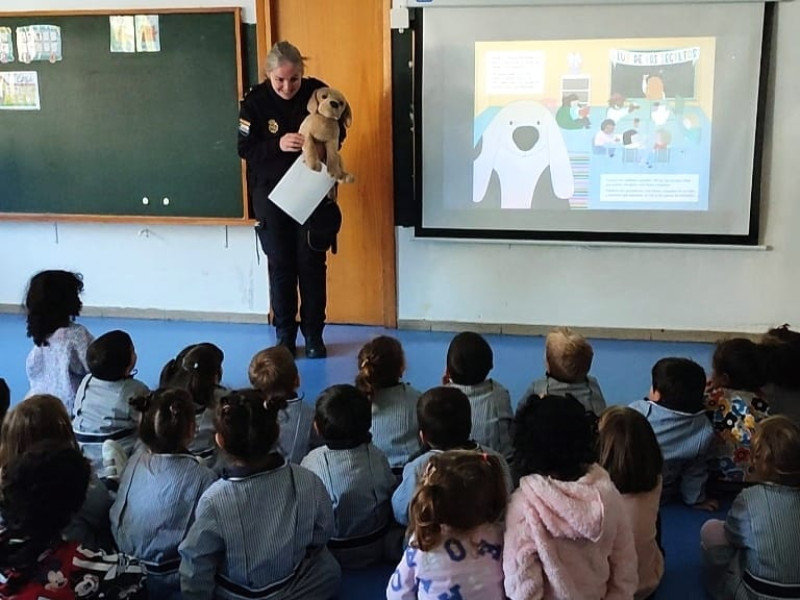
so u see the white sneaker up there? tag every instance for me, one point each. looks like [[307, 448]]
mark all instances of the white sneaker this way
[[114, 459]]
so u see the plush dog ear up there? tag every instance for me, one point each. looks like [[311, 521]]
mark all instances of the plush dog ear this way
[[313, 102], [485, 151], [560, 168], [347, 115]]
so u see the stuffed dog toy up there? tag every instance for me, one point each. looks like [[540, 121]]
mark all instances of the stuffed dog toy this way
[[520, 142], [328, 110]]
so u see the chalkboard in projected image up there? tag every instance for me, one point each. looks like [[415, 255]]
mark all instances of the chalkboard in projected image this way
[[123, 133]]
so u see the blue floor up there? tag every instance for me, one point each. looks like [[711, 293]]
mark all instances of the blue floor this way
[[622, 368]]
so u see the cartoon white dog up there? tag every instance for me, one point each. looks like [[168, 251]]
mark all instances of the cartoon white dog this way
[[520, 142]]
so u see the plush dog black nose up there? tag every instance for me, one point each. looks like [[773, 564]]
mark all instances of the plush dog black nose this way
[[334, 104], [525, 137]]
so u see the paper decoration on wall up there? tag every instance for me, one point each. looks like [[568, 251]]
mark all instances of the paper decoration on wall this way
[[19, 90], [6, 45], [123, 33], [39, 42], [148, 37]]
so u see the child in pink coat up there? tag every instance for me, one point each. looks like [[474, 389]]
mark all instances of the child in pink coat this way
[[567, 534]]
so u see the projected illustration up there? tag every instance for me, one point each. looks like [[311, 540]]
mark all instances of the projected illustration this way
[[593, 124]]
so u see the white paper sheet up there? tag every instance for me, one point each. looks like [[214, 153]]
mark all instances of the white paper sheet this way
[[300, 191]]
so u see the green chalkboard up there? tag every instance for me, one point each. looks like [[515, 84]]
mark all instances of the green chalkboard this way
[[116, 128]]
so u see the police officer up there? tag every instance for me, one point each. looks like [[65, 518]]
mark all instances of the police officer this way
[[269, 119]]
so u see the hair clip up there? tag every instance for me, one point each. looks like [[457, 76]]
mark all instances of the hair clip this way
[[364, 363]]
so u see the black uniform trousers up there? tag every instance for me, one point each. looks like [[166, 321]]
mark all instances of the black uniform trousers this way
[[292, 263]]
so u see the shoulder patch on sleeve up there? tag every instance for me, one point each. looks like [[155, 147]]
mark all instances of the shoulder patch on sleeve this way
[[244, 127]]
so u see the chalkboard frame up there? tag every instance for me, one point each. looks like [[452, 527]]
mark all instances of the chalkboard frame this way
[[244, 219]]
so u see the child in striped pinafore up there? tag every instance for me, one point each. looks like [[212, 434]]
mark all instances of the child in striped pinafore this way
[[102, 411], [260, 531], [381, 363], [469, 361], [357, 477], [160, 488], [198, 370], [274, 372]]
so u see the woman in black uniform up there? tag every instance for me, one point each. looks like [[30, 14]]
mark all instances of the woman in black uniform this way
[[269, 119]]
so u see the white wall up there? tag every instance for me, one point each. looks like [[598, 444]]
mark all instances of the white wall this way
[[181, 268], [189, 268], [688, 289]]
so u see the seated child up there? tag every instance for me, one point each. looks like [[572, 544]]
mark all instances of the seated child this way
[[735, 404], [674, 409], [567, 535], [160, 488], [198, 370], [444, 420], [34, 560], [44, 418], [381, 364], [274, 372], [568, 358], [263, 528], [456, 544], [102, 411], [57, 363], [754, 553], [357, 477], [5, 399], [629, 451], [469, 360], [781, 350]]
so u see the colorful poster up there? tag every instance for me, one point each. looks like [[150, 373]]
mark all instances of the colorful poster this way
[[19, 90], [122, 33], [148, 37], [6, 45], [38, 43]]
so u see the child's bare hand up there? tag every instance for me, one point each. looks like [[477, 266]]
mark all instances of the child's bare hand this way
[[708, 505]]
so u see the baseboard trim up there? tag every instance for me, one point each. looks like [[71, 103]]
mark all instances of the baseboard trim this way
[[155, 314], [613, 333]]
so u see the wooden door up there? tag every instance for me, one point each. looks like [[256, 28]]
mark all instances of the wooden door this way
[[348, 46]]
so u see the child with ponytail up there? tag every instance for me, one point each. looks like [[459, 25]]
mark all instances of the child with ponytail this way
[[262, 529], [381, 364], [456, 531], [160, 489], [198, 370]]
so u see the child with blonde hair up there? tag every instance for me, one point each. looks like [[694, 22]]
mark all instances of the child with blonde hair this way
[[567, 361], [630, 453], [754, 553], [274, 372], [57, 363], [381, 364], [456, 531]]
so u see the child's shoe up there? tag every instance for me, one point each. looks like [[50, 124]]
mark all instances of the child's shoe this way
[[114, 459]]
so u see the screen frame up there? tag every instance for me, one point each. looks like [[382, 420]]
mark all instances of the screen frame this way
[[751, 238]]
